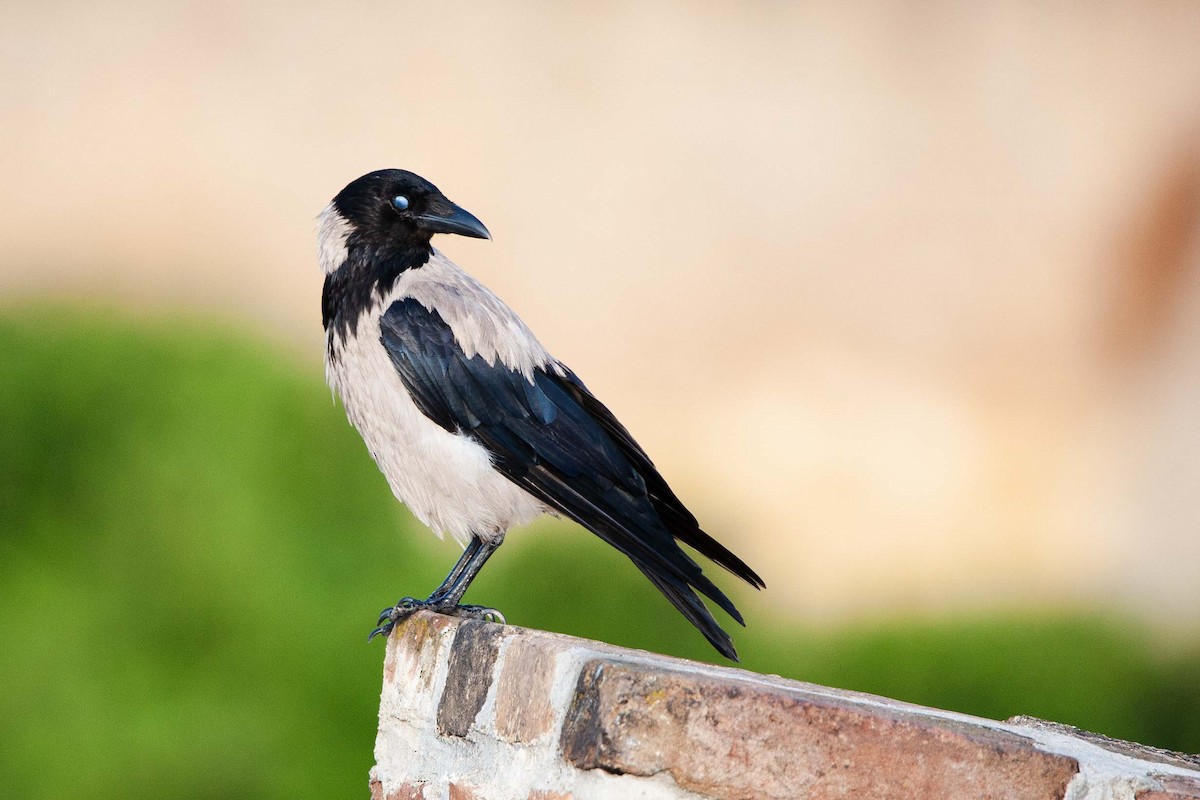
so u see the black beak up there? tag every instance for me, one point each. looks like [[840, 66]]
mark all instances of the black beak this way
[[459, 221]]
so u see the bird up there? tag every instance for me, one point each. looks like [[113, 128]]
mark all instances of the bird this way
[[475, 425]]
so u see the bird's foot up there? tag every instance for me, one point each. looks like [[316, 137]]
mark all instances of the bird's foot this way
[[407, 606]]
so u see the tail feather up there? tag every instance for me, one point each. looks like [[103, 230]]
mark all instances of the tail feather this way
[[684, 599], [693, 536]]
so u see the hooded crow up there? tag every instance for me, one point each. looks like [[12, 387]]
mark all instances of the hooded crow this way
[[475, 425]]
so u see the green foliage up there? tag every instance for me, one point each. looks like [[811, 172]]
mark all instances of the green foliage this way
[[194, 544]]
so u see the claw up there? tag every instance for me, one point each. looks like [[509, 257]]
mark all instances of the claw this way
[[404, 606], [407, 606], [480, 612]]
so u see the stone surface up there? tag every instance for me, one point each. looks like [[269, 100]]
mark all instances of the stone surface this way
[[1173, 787], [724, 739], [523, 712], [469, 676], [476, 710], [1119, 746]]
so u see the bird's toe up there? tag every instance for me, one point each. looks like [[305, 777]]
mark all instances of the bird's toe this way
[[383, 630], [391, 615], [480, 612], [407, 606]]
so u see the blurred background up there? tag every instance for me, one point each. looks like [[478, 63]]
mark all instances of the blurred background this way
[[903, 298]]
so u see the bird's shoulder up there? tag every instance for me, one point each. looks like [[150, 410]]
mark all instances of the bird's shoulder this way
[[479, 322]]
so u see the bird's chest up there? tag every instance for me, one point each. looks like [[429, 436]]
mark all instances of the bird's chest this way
[[445, 478], [377, 403]]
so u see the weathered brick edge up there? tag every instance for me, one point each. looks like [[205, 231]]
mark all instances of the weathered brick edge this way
[[476, 710]]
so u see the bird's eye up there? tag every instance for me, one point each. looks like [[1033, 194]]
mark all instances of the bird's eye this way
[[400, 202]]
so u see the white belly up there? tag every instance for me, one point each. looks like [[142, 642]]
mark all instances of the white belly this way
[[446, 479]]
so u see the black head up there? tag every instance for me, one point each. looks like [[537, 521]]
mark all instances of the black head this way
[[393, 206], [375, 230]]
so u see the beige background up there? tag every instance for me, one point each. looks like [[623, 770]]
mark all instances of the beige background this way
[[903, 297]]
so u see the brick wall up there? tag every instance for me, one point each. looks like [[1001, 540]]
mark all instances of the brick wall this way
[[476, 710]]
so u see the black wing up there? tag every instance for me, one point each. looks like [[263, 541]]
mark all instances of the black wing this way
[[551, 437]]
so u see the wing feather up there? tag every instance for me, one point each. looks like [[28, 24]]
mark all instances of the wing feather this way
[[548, 434]]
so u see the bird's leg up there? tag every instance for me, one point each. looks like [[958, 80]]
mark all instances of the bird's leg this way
[[444, 599], [460, 566]]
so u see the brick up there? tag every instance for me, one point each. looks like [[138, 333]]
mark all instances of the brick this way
[[523, 710], [1174, 787], [728, 739], [408, 791], [413, 652], [640, 725], [1141, 752], [469, 676]]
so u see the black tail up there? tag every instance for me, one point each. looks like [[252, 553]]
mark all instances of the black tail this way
[[684, 599]]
